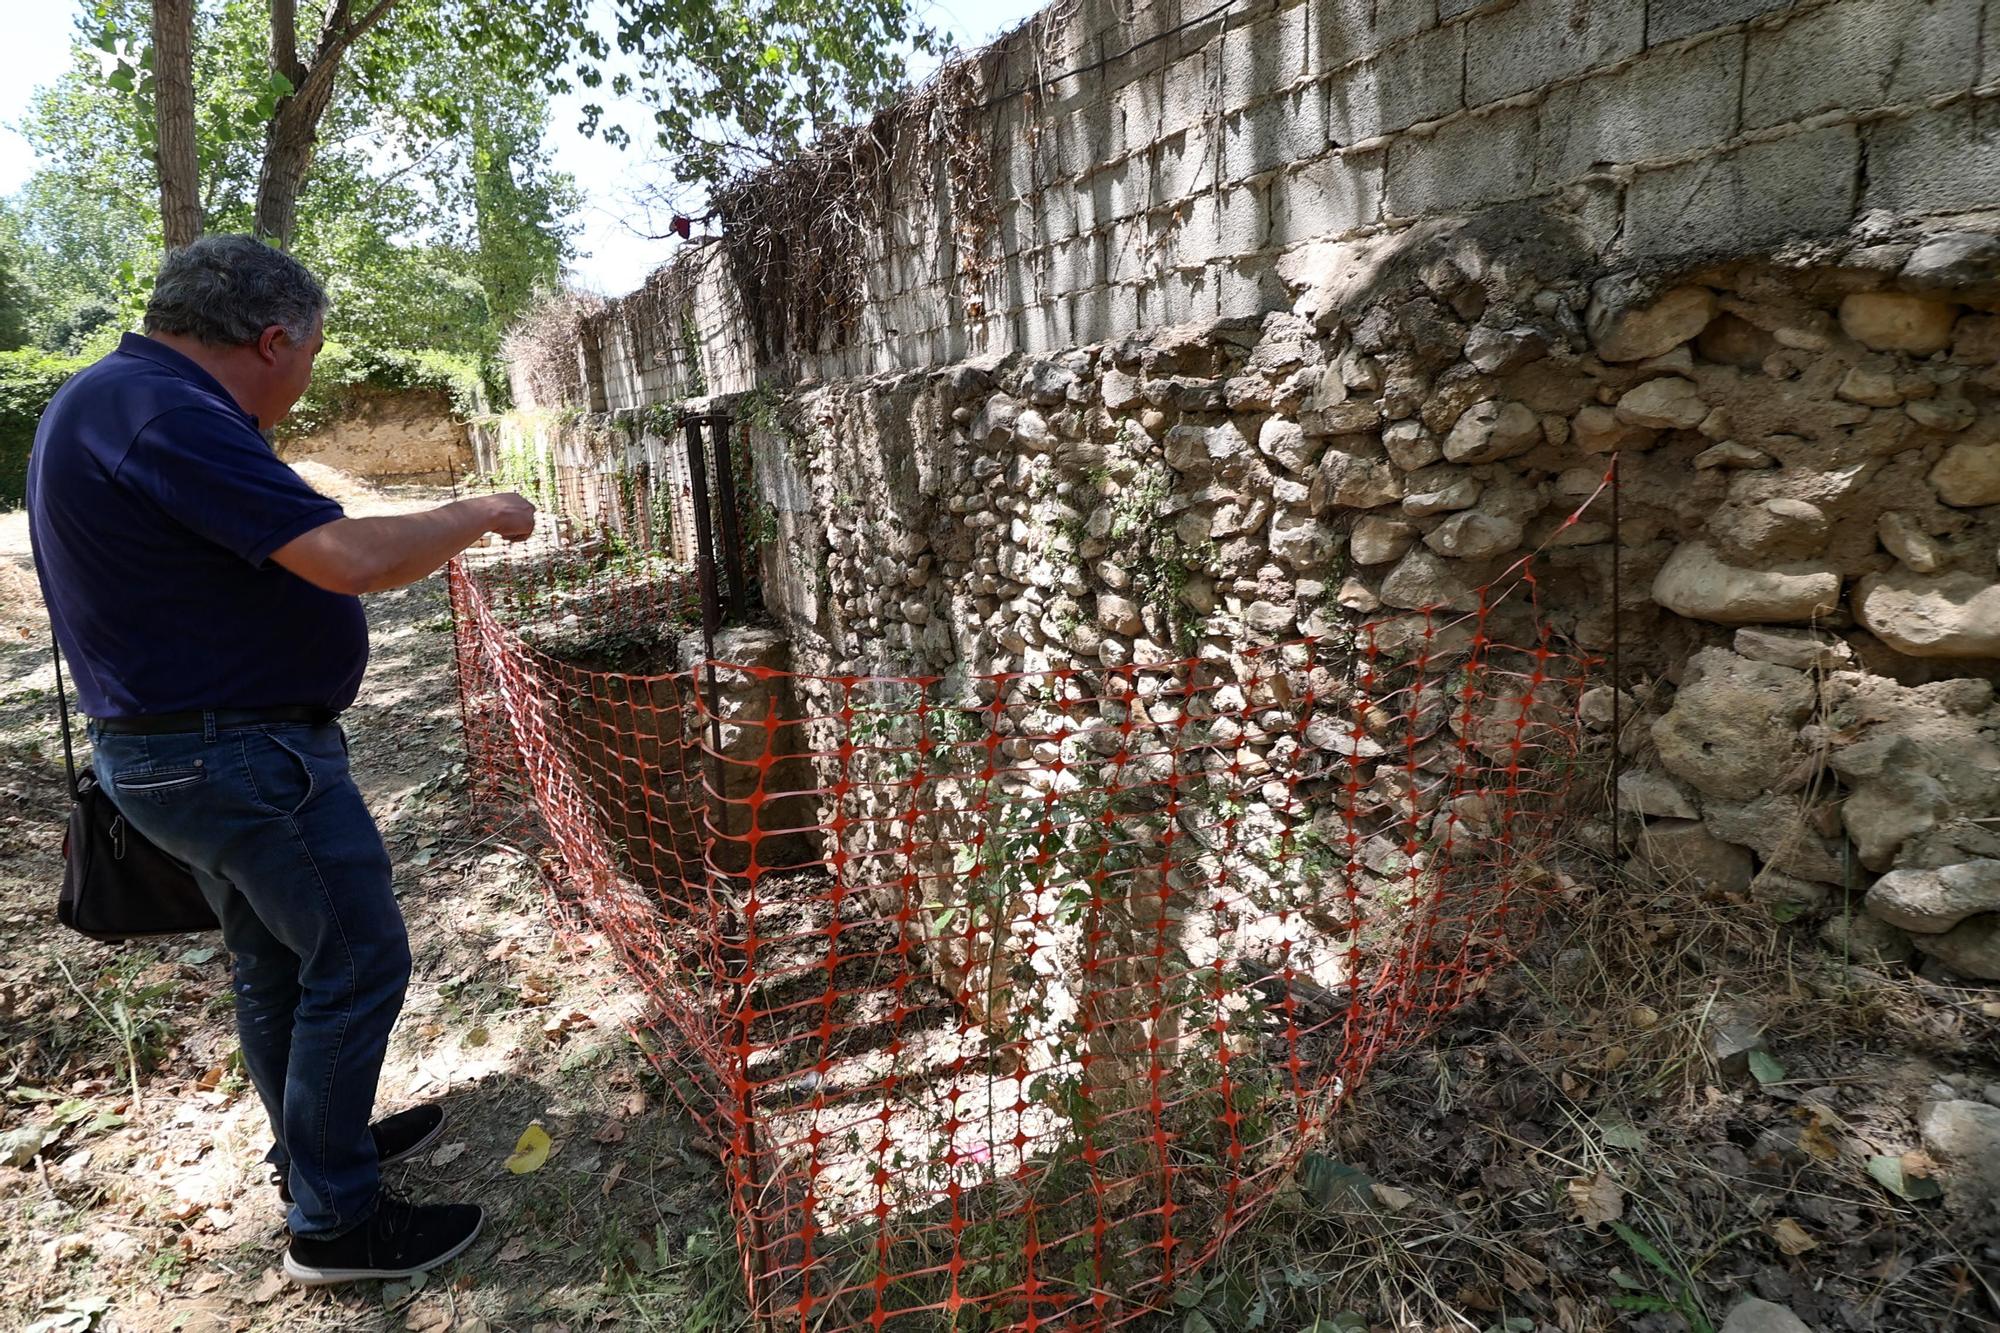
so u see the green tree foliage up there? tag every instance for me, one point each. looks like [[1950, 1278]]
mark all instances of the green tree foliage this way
[[429, 230]]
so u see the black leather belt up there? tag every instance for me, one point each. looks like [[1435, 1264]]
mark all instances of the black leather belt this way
[[223, 719]]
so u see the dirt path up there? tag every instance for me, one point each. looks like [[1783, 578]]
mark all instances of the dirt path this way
[[148, 1208]]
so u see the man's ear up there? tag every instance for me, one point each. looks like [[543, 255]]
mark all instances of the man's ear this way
[[267, 342]]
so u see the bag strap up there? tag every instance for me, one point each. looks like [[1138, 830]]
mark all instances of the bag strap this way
[[62, 711]]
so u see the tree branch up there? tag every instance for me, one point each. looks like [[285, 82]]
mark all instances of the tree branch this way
[[285, 40]]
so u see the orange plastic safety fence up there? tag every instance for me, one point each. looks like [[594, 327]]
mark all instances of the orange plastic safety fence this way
[[1011, 996]]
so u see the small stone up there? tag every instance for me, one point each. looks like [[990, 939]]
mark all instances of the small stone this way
[[1971, 948], [1682, 849], [1968, 476], [1669, 403], [1354, 595], [1286, 444], [1601, 706], [1490, 431], [1376, 540], [1788, 896], [1955, 614], [1424, 579], [1733, 725], [1473, 535], [1779, 528], [1497, 351], [1948, 413], [1955, 259], [1751, 1315], [1732, 1039], [1118, 614], [1865, 940], [1119, 390], [1873, 382], [1302, 541], [1269, 617], [1932, 901], [1633, 333], [1349, 481], [1410, 446], [1644, 791], [1599, 430], [1964, 1136], [1696, 583], [1801, 650], [1898, 322], [1730, 454], [1903, 538], [1460, 492]]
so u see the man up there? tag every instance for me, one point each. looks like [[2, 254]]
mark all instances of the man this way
[[208, 602]]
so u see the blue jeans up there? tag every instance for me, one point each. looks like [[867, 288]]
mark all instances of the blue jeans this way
[[275, 830]]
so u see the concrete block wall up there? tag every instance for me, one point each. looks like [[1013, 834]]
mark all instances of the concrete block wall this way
[[1156, 162]]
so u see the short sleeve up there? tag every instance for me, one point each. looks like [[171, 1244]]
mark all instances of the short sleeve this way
[[214, 475]]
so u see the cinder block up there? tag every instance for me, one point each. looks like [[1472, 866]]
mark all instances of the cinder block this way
[[1537, 42], [1184, 165], [1290, 127], [1058, 214], [1347, 30], [1125, 192], [1421, 79], [1104, 313], [1127, 252], [1187, 297], [1185, 233], [1329, 196], [1137, 107], [1243, 221], [1989, 45], [1743, 201], [1671, 20], [1667, 103], [1935, 161], [1250, 286], [1471, 161], [1188, 95], [1859, 53], [1270, 52]]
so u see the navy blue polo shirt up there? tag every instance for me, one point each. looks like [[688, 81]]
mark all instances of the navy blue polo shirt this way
[[154, 506]]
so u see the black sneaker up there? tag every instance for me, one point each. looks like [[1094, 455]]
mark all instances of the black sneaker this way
[[400, 1240], [398, 1138]]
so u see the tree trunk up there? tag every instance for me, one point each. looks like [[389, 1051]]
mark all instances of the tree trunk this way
[[288, 149], [294, 128], [173, 103]]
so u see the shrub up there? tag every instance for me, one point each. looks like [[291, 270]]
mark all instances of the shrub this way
[[28, 379], [344, 372]]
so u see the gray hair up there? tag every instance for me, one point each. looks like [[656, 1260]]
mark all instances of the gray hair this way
[[226, 290]]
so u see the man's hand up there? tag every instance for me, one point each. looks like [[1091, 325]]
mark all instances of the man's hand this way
[[357, 555], [510, 516]]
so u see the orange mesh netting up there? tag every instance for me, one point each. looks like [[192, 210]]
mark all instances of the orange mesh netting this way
[[1010, 996]]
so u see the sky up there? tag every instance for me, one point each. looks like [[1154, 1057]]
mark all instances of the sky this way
[[613, 256]]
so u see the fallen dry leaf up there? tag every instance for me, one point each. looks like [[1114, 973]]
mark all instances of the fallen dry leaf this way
[[207, 1282], [531, 1151], [1390, 1197], [1597, 1200], [268, 1286], [611, 1178], [514, 1251], [448, 1154], [1790, 1236], [611, 1131]]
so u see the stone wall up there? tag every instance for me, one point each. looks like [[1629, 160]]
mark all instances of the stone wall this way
[[1809, 489], [1407, 286], [1125, 164]]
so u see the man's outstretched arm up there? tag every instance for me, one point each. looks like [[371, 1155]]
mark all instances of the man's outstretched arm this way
[[359, 555]]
